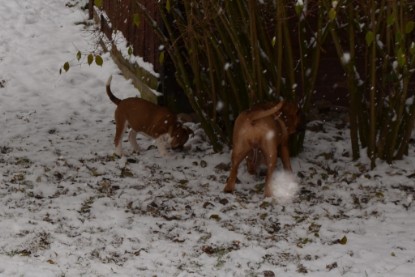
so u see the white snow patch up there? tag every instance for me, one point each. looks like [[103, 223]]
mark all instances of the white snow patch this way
[[227, 66], [219, 106], [284, 186], [345, 58]]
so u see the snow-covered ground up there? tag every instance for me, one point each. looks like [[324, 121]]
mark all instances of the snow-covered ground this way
[[68, 207]]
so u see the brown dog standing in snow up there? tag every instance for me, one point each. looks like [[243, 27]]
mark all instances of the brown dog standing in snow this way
[[258, 134], [147, 118]]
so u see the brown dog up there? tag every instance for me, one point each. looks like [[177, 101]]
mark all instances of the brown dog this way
[[260, 132], [148, 118]]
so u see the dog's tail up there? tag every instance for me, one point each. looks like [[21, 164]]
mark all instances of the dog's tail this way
[[264, 113], [112, 97]]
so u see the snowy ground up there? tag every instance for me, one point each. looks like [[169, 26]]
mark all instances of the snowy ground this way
[[68, 207]]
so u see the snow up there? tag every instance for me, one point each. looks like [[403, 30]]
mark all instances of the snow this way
[[345, 58], [284, 186], [68, 207], [227, 66], [122, 44]]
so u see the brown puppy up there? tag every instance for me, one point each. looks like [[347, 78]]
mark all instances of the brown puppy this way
[[148, 118], [260, 132]]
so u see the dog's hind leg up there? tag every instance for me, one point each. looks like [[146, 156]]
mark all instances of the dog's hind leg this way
[[238, 154], [119, 131]]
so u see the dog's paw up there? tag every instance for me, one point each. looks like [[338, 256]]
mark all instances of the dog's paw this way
[[120, 154], [268, 193], [228, 189]]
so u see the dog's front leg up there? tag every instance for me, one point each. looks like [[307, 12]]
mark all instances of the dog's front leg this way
[[161, 143], [132, 138]]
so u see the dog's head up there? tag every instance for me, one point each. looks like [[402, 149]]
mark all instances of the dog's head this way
[[179, 136], [293, 117]]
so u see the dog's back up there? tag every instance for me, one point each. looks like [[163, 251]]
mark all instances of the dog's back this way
[[145, 116]]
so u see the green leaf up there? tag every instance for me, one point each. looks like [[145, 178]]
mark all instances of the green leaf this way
[[130, 51], [98, 60], [370, 37], [391, 20], [137, 20], [398, 37], [343, 240], [299, 9], [401, 57], [90, 59], [98, 3], [168, 6], [78, 55], [332, 14], [66, 66], [409, 27], [161, 57], [215, 217]]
